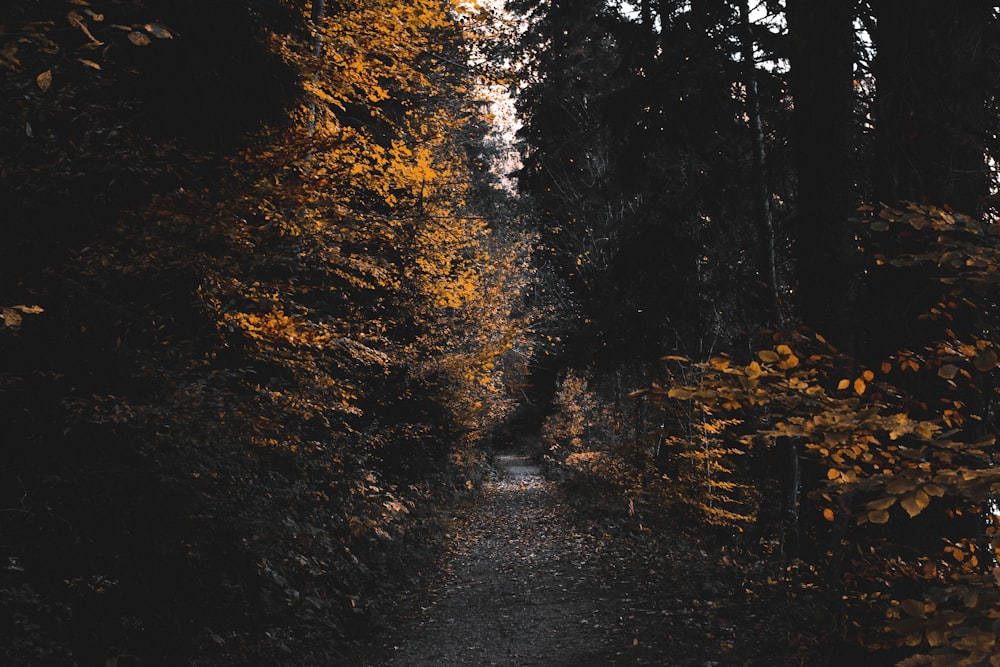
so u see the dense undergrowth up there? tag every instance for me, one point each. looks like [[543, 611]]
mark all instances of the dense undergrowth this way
[[262, 302], [871, 489]]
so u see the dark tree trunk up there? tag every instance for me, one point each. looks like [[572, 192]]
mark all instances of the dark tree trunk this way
[[822, 74], [930, 128], [763, 216], [930, 106]]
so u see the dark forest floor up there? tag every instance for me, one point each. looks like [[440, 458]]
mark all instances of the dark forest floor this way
[[528, 577]]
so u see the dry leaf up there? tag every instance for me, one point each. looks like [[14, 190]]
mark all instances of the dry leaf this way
[[139, 38], [44, 80]]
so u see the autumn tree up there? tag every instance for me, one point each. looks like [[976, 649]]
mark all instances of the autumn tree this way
[[283, 336]]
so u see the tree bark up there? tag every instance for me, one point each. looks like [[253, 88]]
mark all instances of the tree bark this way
[[825, 251], [767, 262], [930, 116], [930, 105]]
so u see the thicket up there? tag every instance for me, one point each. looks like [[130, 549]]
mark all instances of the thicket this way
[[263, 304], [825, 398]]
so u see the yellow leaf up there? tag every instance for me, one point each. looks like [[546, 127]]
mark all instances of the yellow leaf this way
[[719, 363], [89, 63], [886, 367], [832, 473], [881, 503], [753, 371], [44, 80], [784, 350], [139, 38], [859, 386], [683, 393], [789, 362], [768, 357], [934, 490], [158, 31], [915, 502], [900, 485], [878, 516], [843, 384], [828, 514], [868, 376]]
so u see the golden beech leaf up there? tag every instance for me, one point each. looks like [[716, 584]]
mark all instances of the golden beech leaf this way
[[878, 516], [682, 393], [881, 503], [900, 485], [859, 386], [832, 473], [868, 376], [784, 350], [789, 362], [44, 80], [886, 367], [934, 490], [139, 38], [768, 357], [843, 384], [828, 514], [753, 371], [158, 31], [719, 363], [915, 502]]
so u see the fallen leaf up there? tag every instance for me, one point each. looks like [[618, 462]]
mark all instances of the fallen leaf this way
[[158, 31], [44, 80], [139, 38]]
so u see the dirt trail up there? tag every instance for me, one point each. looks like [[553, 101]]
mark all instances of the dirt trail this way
[[519, 585], [525, 581]]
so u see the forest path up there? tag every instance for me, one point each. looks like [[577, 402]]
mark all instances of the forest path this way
[[526, 580], [519, 584]]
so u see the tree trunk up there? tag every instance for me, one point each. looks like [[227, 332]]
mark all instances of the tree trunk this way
[[767, 260], [930, 128], [930, 105], [822, 74]]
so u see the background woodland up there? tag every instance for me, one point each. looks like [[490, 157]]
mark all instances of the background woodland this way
[[269, 302]]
